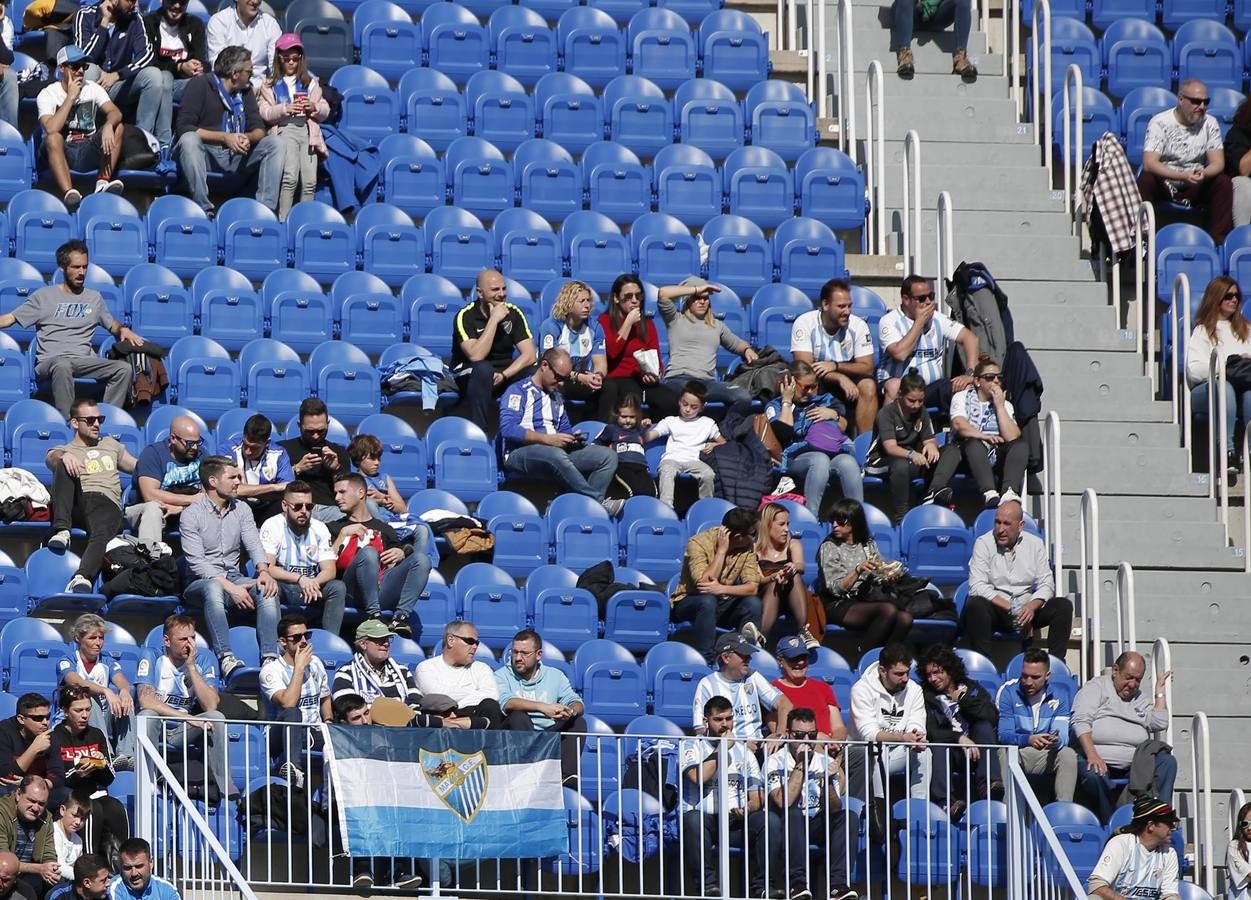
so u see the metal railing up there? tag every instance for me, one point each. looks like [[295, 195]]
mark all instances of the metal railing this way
[[912, 202], [1144, 284], [846, 73], [1052, 495], [812, 47], [1179, 324], [1161, 660], [875, 157], [1073, 101], [1040, 90], [1089, 584], [1218, 436], [945, 241], [1201, 779], [1126, 614]]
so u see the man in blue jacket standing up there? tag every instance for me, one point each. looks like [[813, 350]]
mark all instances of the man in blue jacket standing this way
[[113, 37], [1036, 719]]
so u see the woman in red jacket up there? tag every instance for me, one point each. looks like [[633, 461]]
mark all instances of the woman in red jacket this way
[[628, 331]]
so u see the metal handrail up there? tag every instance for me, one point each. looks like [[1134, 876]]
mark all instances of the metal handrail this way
[[1237, 797], [1088, 584], [1072, 150], [1179, 321], [1144, 233], [944, 235], [1052, 493], [1162, 661], [1126, 614], [1246, 497], [822, 89], [1201, 779], [1040, 92], [875, 156], [1011, 50], [912, 202], [1218, 435]]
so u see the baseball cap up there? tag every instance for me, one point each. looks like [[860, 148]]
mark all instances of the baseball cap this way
[[69, 54], [287, 41], [373, 628], [792, 648], [733, 643]]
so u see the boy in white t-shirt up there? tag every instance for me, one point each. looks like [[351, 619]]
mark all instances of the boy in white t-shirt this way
[[690, 434], [66, 831]]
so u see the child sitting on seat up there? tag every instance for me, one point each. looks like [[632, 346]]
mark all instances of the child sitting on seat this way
[[382, 498], [690, 434]]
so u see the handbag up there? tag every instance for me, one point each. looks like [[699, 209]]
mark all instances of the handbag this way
[[764, 431], [1238, 372], [817, 619]]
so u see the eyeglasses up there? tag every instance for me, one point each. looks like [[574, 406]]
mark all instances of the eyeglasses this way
[[1197, 101], [300, 506], [380, 640], [923, 298], [804, 735], [299, 638], [519, 652], [41, 718], [190, 444], [471, 641], [990, 376], [90, 420]]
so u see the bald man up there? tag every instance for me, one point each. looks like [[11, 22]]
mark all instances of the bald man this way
[[11, 886], [168, 471], [491, 347]]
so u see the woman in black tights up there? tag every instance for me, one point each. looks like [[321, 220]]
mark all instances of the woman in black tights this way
[[854, 595]]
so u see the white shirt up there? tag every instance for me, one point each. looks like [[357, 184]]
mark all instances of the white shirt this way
[[303, 553], [746, 696], [927, 355], [101, 674], [742, 776], [82, 117], [981, 414], [171, 684], [1182, 146], [808, 335], [172, 45], [811, 799], [276, 675], [1239, 871], [68, 848], [225, 29], [467, 685], [1199, 350], [686, 439], [1134, 871]]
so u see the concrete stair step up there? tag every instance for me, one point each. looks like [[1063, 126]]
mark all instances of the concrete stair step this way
[[940, 84], [1095, 409], [973, 153], [1055, 363], [1165, 509], [1145, 471], [871, 40], [1146, 543], [978, 224], [956, 121], [1042, 327], [1083, 292], [1079, 433], [990, 188]]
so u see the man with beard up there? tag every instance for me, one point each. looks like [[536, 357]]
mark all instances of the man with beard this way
[[538, 697], [168, 472], [301, 559]]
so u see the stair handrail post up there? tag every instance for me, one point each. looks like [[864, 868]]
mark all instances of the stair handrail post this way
[[875, 156], [1052, 493], [1011, 50], [1072, 129], [912, 202], [1246, 498], [1126, 613], [810, 82], [1088, 583], [1218, 434], [846, 75], [1042, 58], [1201, 779], [823, 93], [944, 235], [1144, 287], [792, 25], [1179, 321], [1237, 797], [780, 37], [1160, 661]]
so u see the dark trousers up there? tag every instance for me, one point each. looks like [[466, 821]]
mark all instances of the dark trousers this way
[[950, 764], [904, 19], [699, 840], [95, 513], [659, 400], [570, 746], [982, 619], [1103, 793], [486, 714], [633, 480], [1217, 194], [796, 831], [292, 746], [899, 480], [1010, 461], [478, 392], [705, 612]]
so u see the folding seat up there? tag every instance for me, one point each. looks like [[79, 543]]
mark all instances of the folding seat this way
[[830, 188], [582, 532], [17, 631], [527, 248], [637, 619], [1181, 247], [621, 10], [345, 380], [548, 182], [412, 176], [637, 114], [807, 254], [617, 184], [936, 544], [610, 681], [403, 450], [521, 541], [648, 531], [31, 429], [325, 33], [570, 113], [693, 11], [203, 376], [229, 427], [709, 116], [434, 108], [1236, 253], [1137, 108], [663, 249], [984, 842], [492, 601], [596, 250], [733, 48], [436, 498], [38, 223], [113, 229], [300, 313], [47, 573], [522, 44], [1242, 18], [228, 308], [275, 378], [686, 184], [253, 241], [433, 303], [14, 372], [18, 280], [593, 47], [867, 305], [462, 458], [320, 241], [387, 37], [1207, 51], [781, 118], [706, 513], [673, 670], [774, 309], [981, 669], [157, 427], [1080, 834], [502, 111], [930, 846], [1104, 12], [662, 46], [388, 242], [1225, 103], [454, 41], [564, 613], [183, 237], [739, 255], [371, 110], [884, 533], [1134, 53], [1098, 116], [157, 304], [32, 666], [16, 164], [1176, 13], [758, 185], [366, 312], [459, 246]]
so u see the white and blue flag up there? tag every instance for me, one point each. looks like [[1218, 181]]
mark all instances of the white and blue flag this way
[[430, 792]]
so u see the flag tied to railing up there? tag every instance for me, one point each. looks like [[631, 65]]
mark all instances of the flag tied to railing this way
[[427, 792]]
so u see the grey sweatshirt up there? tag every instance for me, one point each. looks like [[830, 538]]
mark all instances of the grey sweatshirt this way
[[1117, 726], [693, 343]]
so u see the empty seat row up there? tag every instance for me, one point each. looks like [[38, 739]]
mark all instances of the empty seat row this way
[[1181, 247], [1172, 14]]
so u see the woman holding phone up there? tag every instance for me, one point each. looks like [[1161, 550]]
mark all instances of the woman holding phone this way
[[292, 105]]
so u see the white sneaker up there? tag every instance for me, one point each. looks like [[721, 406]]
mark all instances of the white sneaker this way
[[363, 880], [79, 584], [786, 485], [809, 641], [991, 500], [110, 187], [292, 773], [614, 505], [59, 541], [751, 634]]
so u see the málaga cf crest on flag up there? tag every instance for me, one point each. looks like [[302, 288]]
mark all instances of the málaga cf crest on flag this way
[[426, 792]]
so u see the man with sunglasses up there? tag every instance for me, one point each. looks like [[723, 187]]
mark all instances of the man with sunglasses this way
[[1183, 159], [168, 472], [296, 689], [537, 441], [1139, 861], [181, 53], [25, 740], [86, 491], [374, 673], [916, 336], [302, 560], [466, 682]]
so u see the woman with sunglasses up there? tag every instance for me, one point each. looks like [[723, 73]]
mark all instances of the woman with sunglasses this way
[[79, 759], [781, 561], [1221, 326], [1238, 857], [695, 335], [291, 103], [628, 336], [850, 584], [985, 437]]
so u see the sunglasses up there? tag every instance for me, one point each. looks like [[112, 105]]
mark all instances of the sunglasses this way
[[800, 662], [298, 638], [300, 506], [1197, 101], [472, 642], [560, 379], [90, 420], [990, 376], [803, 735], [1233, 294], [182, 440], [923, 298], [42, 718], [381, 640]]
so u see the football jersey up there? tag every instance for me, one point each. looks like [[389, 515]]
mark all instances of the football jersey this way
[[811, 799], [171, 684], [742, 776], [928, 353], [300, 553], [1135, 872], [100, 674], [808, 335], [276, 675], [745, 695]]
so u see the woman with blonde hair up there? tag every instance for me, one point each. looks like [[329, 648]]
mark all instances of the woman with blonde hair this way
[[1238, 857], [695, 335], [571, 328], [1220, 326], [291, 103], [781, 560]]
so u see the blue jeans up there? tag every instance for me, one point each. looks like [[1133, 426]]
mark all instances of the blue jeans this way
[[718, 391], [174, 736], [170, 94], [195, 158], [812, 471], [587, 471], [904, 19], [705, 612], [209, 595], [1234, 406], [146, 91], [1103, 792], [325, 613], [401, 585], [120, 730], [9, 98]]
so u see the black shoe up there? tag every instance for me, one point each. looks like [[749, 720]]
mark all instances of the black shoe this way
[[801, 893], [940, 497], [400, 626], [844, 893]]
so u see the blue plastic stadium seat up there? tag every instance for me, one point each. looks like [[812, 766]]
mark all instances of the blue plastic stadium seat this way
[[600, 765], [31, 429], [1175, 13], [412, 176], [638, 619], [388, 242], [32, 666], [522, 44], [759, 185], [781, 118], [253, 241], [662, 47], [403, 450], [388, 39], [807, 254], [709, 116], [884, 533], [460, 247], [616, 183], [1224, 105], [1098, 116], [936, 544], [1236, 253], [158, 306], [595, 249], [114, 230], [229, 427], [706, 513], [637, 114], [320, 240], [774, 309], [345, 380], [461, 457], [501, 110], [324, 31], [521, 540], [930, 846], [610, 681], [830, 188], [491, 599], [692, 11], [47, 574], [436, 606], [1208, 51], [299, 311], [228, 308], [16, 164], [686, 184], [733, 48], [1079, 833], [739, 255], [434, 108], [569, 111], [1181, 247], [673, 670], [984, 842], [663, 249], [582, 532], [1137, 108], [548, 181], [433, 302], [18, 280], [1072, 43], [159, 419], [867, 305], [564, 613], [593, 47], [17, 631], [183, 237], [455, 42], [1134, 53], [1104, 12], [649, 530], [14, 372], [1060, 672], [371, 110], [203, 376], [275, 378], [38, 223]]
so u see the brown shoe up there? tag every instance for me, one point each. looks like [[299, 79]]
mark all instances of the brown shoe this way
[[904, 68], [961, 66]]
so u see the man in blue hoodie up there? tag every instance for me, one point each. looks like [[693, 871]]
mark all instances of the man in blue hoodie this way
[[113, 37], [1036, 719]]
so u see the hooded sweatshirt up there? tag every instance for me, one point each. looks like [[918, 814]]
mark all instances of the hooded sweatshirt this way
[[874, 709]]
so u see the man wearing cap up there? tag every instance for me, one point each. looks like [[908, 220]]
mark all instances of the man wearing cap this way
[[180, 54], [113, 37], [219, 128], [68, 111], [244, 24], [746, 690], [794, 657], [538, 697], [1139, 862], [467, 683], [374, 673]]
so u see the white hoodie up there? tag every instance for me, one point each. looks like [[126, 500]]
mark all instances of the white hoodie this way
[[874, 709]]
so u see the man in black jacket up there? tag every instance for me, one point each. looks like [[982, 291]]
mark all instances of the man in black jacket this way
[[180, 51], [219, 127], [111, 35], [959, 711]]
